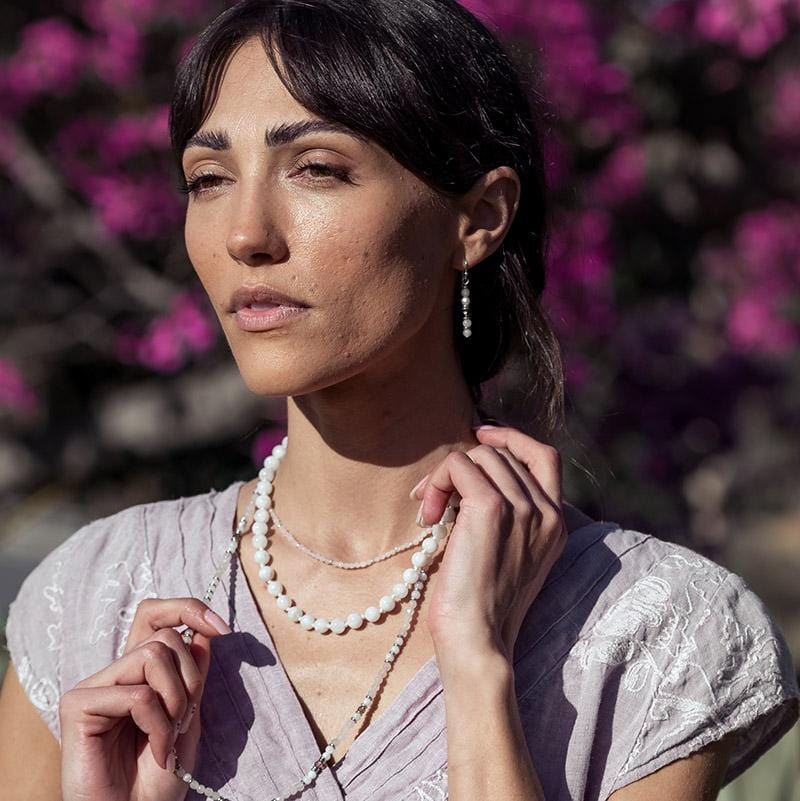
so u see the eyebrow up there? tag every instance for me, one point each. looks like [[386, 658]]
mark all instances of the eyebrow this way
[[281, 134]]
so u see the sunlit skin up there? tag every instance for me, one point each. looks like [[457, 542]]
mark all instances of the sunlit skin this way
[[376, 396]]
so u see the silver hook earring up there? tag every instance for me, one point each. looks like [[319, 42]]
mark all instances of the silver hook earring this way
[[466, 322]]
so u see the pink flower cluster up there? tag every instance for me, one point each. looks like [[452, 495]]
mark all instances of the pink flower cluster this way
[[751, 27], [172, 339], [760, 270], [120, 167], [15, 393]]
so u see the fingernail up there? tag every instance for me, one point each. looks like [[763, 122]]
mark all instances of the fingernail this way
[[481, 427], [419, 517], [421, 483], [171, 759], [216, 621], [188, 719]]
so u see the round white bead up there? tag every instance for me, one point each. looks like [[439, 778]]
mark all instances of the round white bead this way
[[263, 502], [307, 621], [467, 332], [259, 528], [372, 614], [410, 575], [285, 441], [430, 544], [271, 463], [294, 613], [420, 559], [338, 626], [415, 595], [264, 487], [284, 602], [261, 557], [399, 591], [260, 515], [321, 625], [266, 573], [259, 541], [387, 603], [439, 530], [266, 474], [279, 451], [274, 588], [354, 620]]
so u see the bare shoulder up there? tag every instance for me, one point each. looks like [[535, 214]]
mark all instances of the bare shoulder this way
[[23, 734]]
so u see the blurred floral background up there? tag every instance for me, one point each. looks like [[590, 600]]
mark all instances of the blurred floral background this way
[[672, 132]]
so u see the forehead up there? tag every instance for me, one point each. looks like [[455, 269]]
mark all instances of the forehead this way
[[251, 89]]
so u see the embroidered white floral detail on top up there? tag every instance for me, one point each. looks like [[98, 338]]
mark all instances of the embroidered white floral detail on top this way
[[123, 589], [434, 788]]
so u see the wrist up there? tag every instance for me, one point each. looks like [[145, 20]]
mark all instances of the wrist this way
[[468, 666]]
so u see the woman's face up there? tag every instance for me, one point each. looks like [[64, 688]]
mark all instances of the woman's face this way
[[327, 218]]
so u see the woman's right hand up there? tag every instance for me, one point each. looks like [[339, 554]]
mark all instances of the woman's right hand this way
[[119, 726]]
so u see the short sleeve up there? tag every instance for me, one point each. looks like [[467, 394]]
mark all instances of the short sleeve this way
[[730, 670], [72, 613]]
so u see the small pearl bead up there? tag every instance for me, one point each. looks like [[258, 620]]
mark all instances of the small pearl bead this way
[[271, 463], [338, 626], [430, 544], [284, 602], [260, 515], [264, 487], [399, 591], [354, 620], [372, 614], [439, 530], [265, 474], [321, 625], [260, 556], [279, 451], [266, 573], [294, 613], [415, 595], [420, 559], [467, 333], [274, 588], [259, 541], [259, 528], [307, 621], [386, 603], [410, 575], [263, 502]]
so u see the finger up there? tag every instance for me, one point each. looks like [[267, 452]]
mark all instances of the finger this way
[[153, 614], [155, 664], [502, 475], [543, 461], [458, 473], [96, 710]]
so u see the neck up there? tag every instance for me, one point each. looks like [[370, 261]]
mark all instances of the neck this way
[[357, 449]]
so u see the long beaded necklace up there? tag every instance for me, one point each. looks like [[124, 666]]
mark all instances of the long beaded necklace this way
[[414, 579]]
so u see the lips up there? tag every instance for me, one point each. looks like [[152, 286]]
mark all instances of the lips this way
[[261, 296]]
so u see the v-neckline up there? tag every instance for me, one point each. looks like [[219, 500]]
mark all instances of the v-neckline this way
[[421, 688]]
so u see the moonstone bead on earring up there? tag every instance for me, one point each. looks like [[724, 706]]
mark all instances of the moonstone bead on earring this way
[[466, 322]]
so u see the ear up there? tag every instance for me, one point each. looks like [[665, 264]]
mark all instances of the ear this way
[[486, 212]]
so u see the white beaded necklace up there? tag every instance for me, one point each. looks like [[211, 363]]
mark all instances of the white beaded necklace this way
[[414, 579]]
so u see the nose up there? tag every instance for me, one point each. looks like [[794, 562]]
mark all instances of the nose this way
[[255, 235]]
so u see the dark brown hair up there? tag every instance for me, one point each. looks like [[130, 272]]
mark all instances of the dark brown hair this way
[[433, 86]]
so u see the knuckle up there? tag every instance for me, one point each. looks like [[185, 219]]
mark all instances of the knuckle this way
[[143, 695], [154, 650]]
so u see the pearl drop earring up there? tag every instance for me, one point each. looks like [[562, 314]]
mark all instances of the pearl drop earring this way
[[466, 322]]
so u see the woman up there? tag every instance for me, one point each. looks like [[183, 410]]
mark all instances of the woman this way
[[366, 214]]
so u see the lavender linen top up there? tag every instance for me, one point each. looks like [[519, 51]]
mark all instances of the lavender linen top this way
[[637, 652]]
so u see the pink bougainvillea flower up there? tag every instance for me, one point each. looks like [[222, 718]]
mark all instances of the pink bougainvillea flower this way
[[15, 393], [621, 177], [49, 59], [172, 339]]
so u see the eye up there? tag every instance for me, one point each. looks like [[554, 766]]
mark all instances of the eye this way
[[200, 184], [319, 169]]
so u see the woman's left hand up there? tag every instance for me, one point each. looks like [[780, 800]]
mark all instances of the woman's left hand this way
[[508, 533]]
